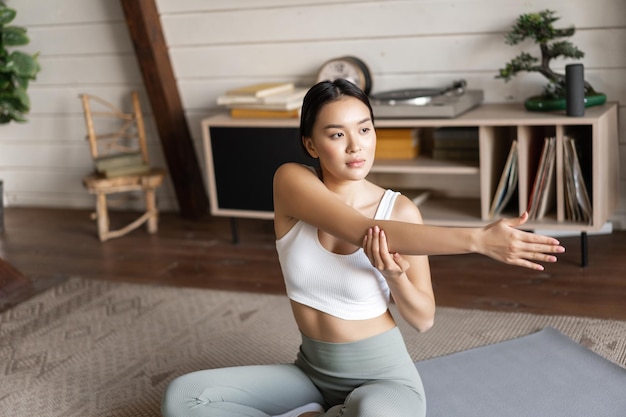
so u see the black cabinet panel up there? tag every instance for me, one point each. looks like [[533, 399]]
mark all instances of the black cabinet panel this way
[[245, 159]]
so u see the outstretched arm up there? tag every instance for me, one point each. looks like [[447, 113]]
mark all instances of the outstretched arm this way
[[300, 195]]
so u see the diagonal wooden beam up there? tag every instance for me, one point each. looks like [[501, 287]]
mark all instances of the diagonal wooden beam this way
[[144, 25]]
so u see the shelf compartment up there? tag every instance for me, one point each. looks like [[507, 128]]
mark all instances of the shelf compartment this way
[[531, 141], [495, 143], [582, 137]]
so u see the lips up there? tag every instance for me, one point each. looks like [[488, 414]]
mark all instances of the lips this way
[[356, 163]]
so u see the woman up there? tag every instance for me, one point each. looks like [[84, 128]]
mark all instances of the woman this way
[[339, 240]]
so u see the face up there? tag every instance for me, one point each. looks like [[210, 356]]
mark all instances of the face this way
[[343, 139]]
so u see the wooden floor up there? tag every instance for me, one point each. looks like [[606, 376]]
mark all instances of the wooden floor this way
[[46, 246]]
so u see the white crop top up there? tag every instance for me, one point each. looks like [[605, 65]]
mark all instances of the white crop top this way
[[344, 286]]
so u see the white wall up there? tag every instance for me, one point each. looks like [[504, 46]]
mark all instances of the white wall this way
[[84, 46], [220, 44]]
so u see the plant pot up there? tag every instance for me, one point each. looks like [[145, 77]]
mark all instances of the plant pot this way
[[541, 103]]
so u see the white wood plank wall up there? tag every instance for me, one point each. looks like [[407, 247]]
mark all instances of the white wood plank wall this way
[[216, 45]]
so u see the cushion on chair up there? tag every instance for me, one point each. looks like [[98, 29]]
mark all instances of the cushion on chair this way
[[99, 182]]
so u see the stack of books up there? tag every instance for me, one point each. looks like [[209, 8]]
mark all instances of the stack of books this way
[[120, 164], [456, 144], [264, 100], [396, 144]]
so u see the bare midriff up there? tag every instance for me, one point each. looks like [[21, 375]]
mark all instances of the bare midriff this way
[[318, 325]]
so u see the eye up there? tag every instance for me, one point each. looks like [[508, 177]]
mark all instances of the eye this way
[[337, 135], [365, 130]]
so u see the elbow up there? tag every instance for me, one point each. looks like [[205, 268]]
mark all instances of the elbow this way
[[421, 319], [425, 325], [426, 322]]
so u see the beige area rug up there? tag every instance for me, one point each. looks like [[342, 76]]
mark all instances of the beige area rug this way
[[91, 348]]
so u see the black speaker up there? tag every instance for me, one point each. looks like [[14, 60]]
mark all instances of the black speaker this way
[[575, 90]]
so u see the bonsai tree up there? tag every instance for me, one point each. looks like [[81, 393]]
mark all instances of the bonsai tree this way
[[539, 27], [16, 69]]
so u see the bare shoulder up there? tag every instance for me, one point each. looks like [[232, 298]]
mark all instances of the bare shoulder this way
[[291, 169], [295, 167], [405, 210]]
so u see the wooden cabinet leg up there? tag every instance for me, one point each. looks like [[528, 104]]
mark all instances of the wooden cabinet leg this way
[[234, 230]]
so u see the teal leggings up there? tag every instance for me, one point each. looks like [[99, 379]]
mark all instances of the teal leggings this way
[[373, 377]]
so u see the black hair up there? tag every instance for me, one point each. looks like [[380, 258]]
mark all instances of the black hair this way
[[323, 93]]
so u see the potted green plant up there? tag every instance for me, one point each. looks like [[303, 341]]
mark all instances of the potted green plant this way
[[552, 44], [17, 69]]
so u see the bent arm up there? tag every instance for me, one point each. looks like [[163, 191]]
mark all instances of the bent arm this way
[[299, 194]]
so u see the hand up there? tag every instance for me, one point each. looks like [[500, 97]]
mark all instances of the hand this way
[[502, 241], [375, 246]]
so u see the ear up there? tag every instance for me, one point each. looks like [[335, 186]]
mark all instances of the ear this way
[[310, 147]]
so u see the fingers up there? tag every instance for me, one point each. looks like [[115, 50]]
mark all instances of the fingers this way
[[530, 254], [377, 250], [401, 262], [544, 244], [523, 218], [532, 237]]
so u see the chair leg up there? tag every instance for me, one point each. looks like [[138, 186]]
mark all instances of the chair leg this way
[[151, 208], [102, 216]]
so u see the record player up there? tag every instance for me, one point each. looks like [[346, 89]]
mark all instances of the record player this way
[[410, 103], [446, 102]]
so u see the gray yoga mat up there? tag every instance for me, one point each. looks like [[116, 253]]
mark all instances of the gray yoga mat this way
[[542, 374]]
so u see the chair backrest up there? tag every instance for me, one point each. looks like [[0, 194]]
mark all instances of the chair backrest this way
[[113, 131]]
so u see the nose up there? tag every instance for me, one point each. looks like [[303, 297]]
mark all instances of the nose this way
[[353, 145]]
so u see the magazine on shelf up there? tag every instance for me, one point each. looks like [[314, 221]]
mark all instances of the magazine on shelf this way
[[547, 192], [543, 191], [578, 202], [507, 184]]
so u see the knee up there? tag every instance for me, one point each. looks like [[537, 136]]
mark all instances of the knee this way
[[169, 399], [386, 399], [177, 398]]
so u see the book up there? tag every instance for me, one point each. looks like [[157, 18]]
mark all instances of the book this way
[[248, 113], [409, 153], [534, 193], [401, 143], [105, 162], [261, 89], [397, 148], [543, 195], [460, 154], [279, 101], [458, 144], [578, 200], [455, 138], [507, 183], [394, 133], [547, 193]]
